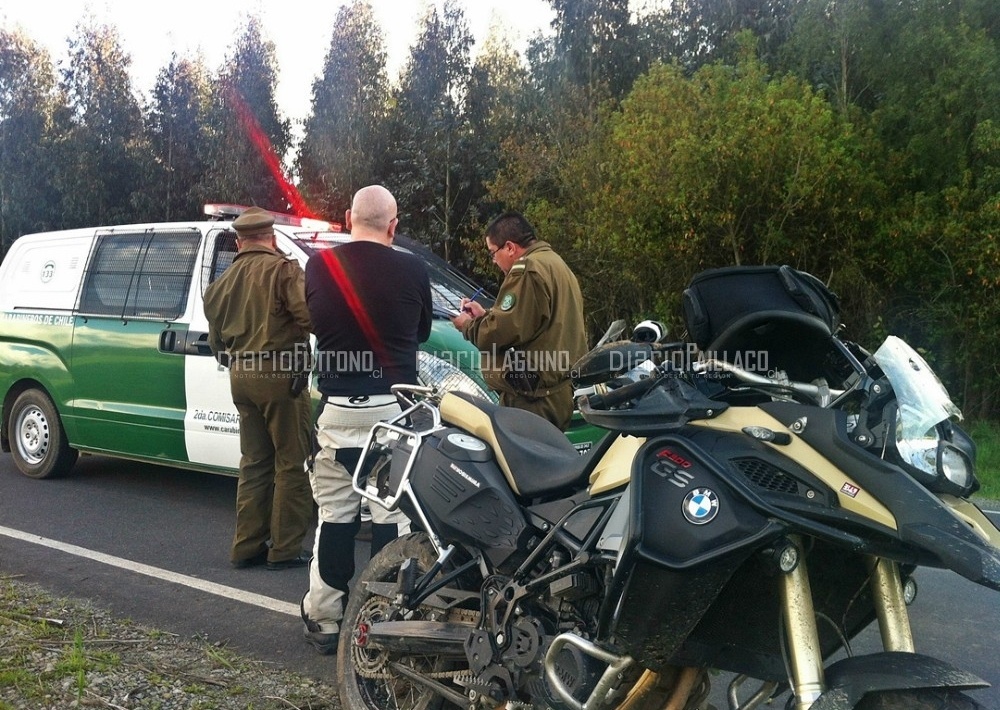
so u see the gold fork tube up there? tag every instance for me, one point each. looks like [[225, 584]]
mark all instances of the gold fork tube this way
[[804, 650], [890, 608]]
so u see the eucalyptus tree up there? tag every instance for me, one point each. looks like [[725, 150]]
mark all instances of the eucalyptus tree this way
[[249, 136], [27, 201], [177, 121], [596, 46], [429, 130], [495, 109], [706, 31], [102, 154], [345, 134]]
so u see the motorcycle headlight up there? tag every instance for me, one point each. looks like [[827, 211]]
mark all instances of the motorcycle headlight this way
[[432, 371], [940, 465], [955, 465]]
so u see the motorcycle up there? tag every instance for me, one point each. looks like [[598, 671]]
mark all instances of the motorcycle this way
[[740, 516]]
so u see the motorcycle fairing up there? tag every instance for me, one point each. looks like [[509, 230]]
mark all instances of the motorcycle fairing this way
[[860, 503], [704, 576], [669, 563], [932, 533], [753, 645]]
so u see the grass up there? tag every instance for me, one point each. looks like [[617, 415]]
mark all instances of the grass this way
[[987, 437], [59, 653]]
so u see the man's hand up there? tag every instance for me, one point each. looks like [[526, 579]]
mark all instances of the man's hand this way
[[473, 308], [469, 310]]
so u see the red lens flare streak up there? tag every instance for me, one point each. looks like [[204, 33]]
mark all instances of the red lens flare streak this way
[[263, 145], [299, 207]]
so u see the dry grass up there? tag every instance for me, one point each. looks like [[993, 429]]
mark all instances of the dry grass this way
[[60, 653]]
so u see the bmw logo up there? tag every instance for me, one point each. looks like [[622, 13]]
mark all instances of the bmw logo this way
[[700, 506]]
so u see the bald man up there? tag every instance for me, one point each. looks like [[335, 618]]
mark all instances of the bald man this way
[[370, 306]]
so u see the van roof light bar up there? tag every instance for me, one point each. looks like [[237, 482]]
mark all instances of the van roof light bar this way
[[227, 212]]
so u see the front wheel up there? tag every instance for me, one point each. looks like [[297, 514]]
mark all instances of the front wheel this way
[[375, 679], [927, 699], [37, 440]]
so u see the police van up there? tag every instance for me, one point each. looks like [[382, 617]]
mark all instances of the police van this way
[[103, 341]]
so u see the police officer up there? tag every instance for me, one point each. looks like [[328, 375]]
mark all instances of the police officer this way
[[535, 332], [259, 325]]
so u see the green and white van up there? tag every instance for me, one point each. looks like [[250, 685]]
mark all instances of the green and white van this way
[[103, 342]]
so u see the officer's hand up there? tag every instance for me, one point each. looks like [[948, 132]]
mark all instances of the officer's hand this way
[[461, 320], [473, 308]]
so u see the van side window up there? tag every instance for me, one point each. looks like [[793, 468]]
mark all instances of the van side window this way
[[140, 275], [223, 250]]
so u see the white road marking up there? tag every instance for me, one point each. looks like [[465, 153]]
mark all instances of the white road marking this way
[[166, 575]]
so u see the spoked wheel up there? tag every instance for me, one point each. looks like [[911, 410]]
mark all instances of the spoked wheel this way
[[925, 699], [373, 678]]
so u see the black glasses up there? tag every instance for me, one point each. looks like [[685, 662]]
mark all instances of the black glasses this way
[[493, 252]]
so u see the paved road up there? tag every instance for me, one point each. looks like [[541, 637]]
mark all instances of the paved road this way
[[151, 543]]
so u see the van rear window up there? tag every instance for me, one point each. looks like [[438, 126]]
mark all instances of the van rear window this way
[[140, 275]]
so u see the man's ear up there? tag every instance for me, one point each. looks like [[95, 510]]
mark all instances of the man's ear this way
[[347, 220]]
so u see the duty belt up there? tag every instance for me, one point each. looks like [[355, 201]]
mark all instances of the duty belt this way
[[249, 360]]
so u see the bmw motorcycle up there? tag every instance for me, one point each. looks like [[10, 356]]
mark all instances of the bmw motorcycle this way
[[763, 495]]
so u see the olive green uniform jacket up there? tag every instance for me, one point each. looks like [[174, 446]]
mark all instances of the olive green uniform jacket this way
[[533, 335], [258, 305]]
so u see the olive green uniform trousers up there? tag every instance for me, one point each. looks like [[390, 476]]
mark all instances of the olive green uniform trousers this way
[[273, 498]]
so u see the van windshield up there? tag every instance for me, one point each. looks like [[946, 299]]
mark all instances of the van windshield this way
[[448, 285]]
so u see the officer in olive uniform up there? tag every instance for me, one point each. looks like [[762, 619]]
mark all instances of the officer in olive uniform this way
[[259, 325], [535, 332]]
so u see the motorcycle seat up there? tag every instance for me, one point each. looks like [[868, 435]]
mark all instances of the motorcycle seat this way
[[535, 456]]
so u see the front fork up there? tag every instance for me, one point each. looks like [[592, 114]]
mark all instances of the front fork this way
[[801, 630]]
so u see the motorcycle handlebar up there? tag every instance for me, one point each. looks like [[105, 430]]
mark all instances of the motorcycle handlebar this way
[[622, 394], [820, 393]]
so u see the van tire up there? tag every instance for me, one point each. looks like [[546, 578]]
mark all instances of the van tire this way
[[37, 440]]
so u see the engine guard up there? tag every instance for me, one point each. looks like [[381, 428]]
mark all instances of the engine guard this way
[[848, 680]]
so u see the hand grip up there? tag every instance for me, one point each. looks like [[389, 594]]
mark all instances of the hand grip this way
[[622, 394]]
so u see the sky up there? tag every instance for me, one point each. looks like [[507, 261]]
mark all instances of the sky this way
[[300, 30]]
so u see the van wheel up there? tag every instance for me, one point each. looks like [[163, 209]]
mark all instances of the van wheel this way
[[37, 440]]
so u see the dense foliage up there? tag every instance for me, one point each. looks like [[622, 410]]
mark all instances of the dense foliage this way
[[857, 140]]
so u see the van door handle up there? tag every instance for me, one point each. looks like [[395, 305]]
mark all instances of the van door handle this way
[[197, 344], [168, 341]]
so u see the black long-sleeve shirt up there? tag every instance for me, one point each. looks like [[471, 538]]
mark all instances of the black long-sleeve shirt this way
[[370, 307]]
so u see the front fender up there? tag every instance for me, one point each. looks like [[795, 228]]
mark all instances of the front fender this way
[[849, 679]]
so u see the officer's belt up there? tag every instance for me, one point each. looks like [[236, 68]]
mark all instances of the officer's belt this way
[[249, 360]]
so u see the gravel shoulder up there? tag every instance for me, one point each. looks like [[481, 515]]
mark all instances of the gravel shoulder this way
[[58, 653]]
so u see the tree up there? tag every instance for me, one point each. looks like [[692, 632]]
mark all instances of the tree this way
[[177, 122], [27, 200], [495, 112], [596, 46], [345, 133], [102, 150], [707, 30], [834, 45], [727, 167], [249, 138], [429, 132]]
